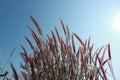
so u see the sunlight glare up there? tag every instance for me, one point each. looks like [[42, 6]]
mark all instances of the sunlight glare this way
[[116, 22]]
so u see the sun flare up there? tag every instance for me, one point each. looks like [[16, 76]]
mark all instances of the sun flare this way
[[116, 22]]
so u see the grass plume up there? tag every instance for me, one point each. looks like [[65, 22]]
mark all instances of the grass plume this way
[[56, 58]]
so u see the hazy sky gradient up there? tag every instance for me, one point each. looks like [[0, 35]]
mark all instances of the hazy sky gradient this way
[[86, 18]]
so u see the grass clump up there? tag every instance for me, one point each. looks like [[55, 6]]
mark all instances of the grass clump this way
[[56, 58]]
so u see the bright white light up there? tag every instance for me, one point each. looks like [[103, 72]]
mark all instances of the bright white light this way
[[116, 22]]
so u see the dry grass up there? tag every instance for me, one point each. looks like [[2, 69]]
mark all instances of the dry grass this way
[[58, 59]]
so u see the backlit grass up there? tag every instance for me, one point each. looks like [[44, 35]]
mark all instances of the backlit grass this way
[[55, 58]]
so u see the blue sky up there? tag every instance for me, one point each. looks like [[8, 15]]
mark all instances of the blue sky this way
[[86, 18]]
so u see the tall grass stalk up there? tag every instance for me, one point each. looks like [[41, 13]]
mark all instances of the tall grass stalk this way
[[55, 58], [3, 73]]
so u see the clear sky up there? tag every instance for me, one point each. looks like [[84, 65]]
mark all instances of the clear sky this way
[[85, 17]]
